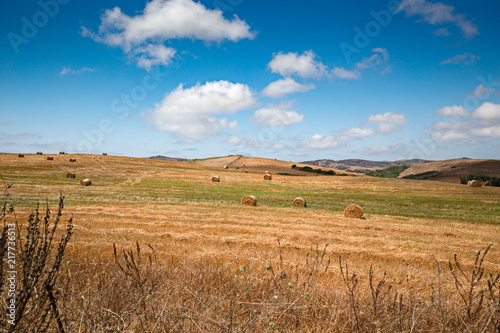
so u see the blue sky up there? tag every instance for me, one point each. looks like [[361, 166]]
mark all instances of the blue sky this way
[[293, 80]]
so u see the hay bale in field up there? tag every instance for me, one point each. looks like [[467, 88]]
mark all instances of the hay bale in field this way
[[216, 179], [268, 176], [226, 167], [61, 153], [246, 171], [474, 183], [70, 175], [50, 158], [39, 153], [249, 200], [20, 155], [299, 202], [86, 182], [105, 154], [353, 211], [72, 159]]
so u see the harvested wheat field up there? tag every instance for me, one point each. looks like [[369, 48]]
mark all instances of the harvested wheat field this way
[[194, 222]]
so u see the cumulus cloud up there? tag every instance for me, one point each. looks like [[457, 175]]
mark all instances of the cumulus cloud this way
[[438, 13], [461, 59], [450, 131], [304, 65], [275, 115], [153, 55], [189, 113], [67, 70], [453, 111], [483, 122], [379, 57], [163, 20], [487, 111], [279, 88], [388, 122]]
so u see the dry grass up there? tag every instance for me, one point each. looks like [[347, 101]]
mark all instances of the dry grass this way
[[200, 228]]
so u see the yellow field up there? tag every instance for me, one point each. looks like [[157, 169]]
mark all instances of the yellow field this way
[[174, 207]]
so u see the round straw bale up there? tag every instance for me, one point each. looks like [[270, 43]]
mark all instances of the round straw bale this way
[[474, 183], [226, 167], [216, 179], [353, 211], [299, 202], [61, 153], [249, 200], [246, 171], [50, 158], [86, 182], [20, 155], [268, 176], [72, 159], [39, 153], [105, 154], [70, 175]]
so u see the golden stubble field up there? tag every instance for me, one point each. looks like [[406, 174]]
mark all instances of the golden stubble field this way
[[177, 209]]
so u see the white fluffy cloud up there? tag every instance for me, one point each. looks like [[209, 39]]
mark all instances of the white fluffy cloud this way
[[483, 122], [304, 65], [279, 88], [189, 113], [450, 131], [453, 111], [487, 111], [359, 132], [438, 13], [275, 115], [163, 20], [388, 122]]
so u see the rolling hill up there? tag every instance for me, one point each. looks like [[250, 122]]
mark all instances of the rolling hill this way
[[361, 166]]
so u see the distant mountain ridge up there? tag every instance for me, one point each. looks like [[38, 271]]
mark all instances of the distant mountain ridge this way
[[362, 166], [170, 159]]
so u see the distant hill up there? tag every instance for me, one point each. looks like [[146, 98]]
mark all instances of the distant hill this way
[[361, 166], [257, 164], [450, 171], [170, 159]]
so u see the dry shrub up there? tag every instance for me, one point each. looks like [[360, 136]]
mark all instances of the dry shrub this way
[[249, 200], [474, 183], [353, 211], [20, 155], [62, 153], [72, 159], [39, 153], [70, 175], [268, 176], [50, 158], [299, 202], [85, 182], [133, 291], [216, 179]]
